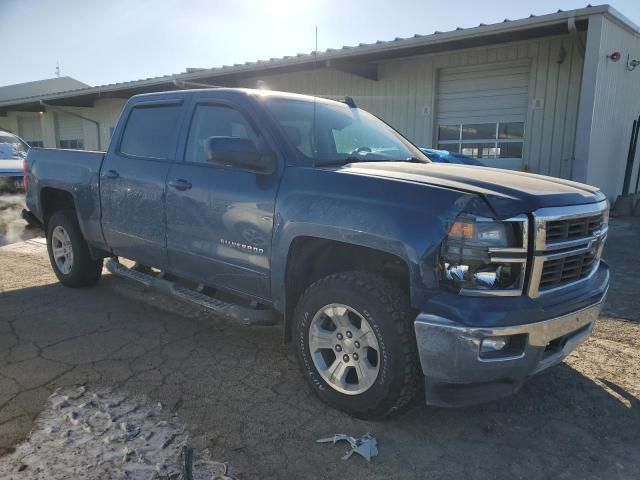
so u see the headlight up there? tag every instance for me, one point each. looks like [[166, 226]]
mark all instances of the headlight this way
[[481, 256]]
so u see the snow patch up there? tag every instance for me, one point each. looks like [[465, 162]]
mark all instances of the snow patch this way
[[98, 435]]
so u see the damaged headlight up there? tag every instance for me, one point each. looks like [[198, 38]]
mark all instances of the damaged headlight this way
[[482, 256]]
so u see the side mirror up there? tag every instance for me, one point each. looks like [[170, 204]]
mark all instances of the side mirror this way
[[239, 153]]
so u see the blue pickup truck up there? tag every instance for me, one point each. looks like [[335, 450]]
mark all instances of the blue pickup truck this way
[[388, 272]]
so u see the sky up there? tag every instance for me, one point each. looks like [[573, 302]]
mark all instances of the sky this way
[[107, 41]]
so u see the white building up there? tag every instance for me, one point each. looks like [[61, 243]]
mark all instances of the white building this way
[[553, 94]]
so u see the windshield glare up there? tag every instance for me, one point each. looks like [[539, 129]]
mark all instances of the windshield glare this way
[[11, 147], [342, 134]]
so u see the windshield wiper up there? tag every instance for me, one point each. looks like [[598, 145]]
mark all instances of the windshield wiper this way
[[353, 159], [414, 160], [340, 161]]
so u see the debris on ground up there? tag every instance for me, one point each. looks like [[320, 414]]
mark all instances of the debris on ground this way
[[365, 446], [97, 435]]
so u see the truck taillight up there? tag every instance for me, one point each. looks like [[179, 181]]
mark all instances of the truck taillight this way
[[24, 175]]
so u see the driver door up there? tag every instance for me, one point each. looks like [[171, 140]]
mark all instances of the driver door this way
[[220, 218]]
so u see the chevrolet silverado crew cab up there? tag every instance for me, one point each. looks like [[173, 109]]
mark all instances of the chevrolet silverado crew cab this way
[[387, 271]]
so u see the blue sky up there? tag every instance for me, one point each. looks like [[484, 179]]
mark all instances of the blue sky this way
[[101, 42]]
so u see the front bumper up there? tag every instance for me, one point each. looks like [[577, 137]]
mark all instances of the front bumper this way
[[456, 374]]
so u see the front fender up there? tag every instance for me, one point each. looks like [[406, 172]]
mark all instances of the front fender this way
[[405, 219]]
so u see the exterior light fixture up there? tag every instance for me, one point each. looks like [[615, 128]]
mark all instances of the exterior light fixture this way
[[614, 57]]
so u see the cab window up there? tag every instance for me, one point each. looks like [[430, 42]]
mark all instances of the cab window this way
[[215, 121]]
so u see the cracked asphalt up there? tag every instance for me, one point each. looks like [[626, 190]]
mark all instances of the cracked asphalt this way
[[241, 396]]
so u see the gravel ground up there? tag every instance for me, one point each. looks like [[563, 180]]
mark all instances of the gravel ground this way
[[238, 393]]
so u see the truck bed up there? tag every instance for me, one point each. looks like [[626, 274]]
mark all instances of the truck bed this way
[[75, 171]]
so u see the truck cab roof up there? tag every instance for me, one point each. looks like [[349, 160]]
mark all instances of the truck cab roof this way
[[231, 91]]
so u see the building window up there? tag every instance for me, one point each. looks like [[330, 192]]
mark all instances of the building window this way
[[71, 144], [35, 143], [483, 140]]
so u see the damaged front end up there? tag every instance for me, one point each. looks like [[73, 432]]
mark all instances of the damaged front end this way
[[483, 256], [515, 296]]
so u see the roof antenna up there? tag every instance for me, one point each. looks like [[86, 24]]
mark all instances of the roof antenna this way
[[315, 92], [58, 69]]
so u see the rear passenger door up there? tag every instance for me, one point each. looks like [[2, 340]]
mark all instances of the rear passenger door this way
[[220, 219], [132, 181]]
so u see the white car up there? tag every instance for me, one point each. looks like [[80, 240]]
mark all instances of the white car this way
[[13, 151]]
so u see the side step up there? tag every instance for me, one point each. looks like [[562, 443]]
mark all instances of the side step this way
[[230, 311]]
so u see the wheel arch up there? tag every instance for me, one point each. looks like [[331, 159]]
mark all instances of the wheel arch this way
[[311, 258], [52, 199]]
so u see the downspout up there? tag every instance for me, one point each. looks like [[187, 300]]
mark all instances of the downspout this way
[[73, 114], [571, 26], [582, 48]]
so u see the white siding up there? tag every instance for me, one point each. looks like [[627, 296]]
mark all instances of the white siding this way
[[30, 128], [405, 94], [610, 104], [9, 122]]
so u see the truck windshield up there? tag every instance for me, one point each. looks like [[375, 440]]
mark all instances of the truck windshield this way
[[330, 133], [11, 147]]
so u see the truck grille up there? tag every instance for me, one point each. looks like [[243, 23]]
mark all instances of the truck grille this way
[[565, 270], [571, 229], [568, 245]]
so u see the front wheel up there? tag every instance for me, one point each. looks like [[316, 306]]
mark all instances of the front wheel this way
[[355, 344], [69, 253]]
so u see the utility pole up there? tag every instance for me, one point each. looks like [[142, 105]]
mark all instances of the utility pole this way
[[58, 69]]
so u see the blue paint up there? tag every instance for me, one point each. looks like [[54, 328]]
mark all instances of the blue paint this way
[[233, 229]]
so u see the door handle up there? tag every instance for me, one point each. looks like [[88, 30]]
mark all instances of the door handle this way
[[180, 184], [111, 174]]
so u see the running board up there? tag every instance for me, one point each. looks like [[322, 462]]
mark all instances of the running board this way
[[229, 311]]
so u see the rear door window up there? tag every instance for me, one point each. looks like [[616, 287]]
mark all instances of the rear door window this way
[[149, 131]]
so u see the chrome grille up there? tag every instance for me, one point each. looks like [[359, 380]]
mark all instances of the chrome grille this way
[[565, 270], [568, 245], [573, 228]]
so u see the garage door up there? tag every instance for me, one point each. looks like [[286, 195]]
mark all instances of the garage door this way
[[481, 111], [69, 133], [30, 129]]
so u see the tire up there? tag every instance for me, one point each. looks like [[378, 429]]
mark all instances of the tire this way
[[385, 307], [77, 268]]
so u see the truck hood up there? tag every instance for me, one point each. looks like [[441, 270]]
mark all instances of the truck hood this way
[[507, 192]]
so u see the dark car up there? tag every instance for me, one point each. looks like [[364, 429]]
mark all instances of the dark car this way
[[13, 151], [445, 156]]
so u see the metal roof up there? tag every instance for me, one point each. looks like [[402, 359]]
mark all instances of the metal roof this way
[[40, 87], [507, 30]]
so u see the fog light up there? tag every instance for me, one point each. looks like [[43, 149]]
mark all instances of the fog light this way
[[493, 344]]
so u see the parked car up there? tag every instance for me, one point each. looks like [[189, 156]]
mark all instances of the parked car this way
[[386, 270], [445, 156], [13, 151]]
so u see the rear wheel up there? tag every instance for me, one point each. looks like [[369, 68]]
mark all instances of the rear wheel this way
[[355, 344], [69, 253]]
